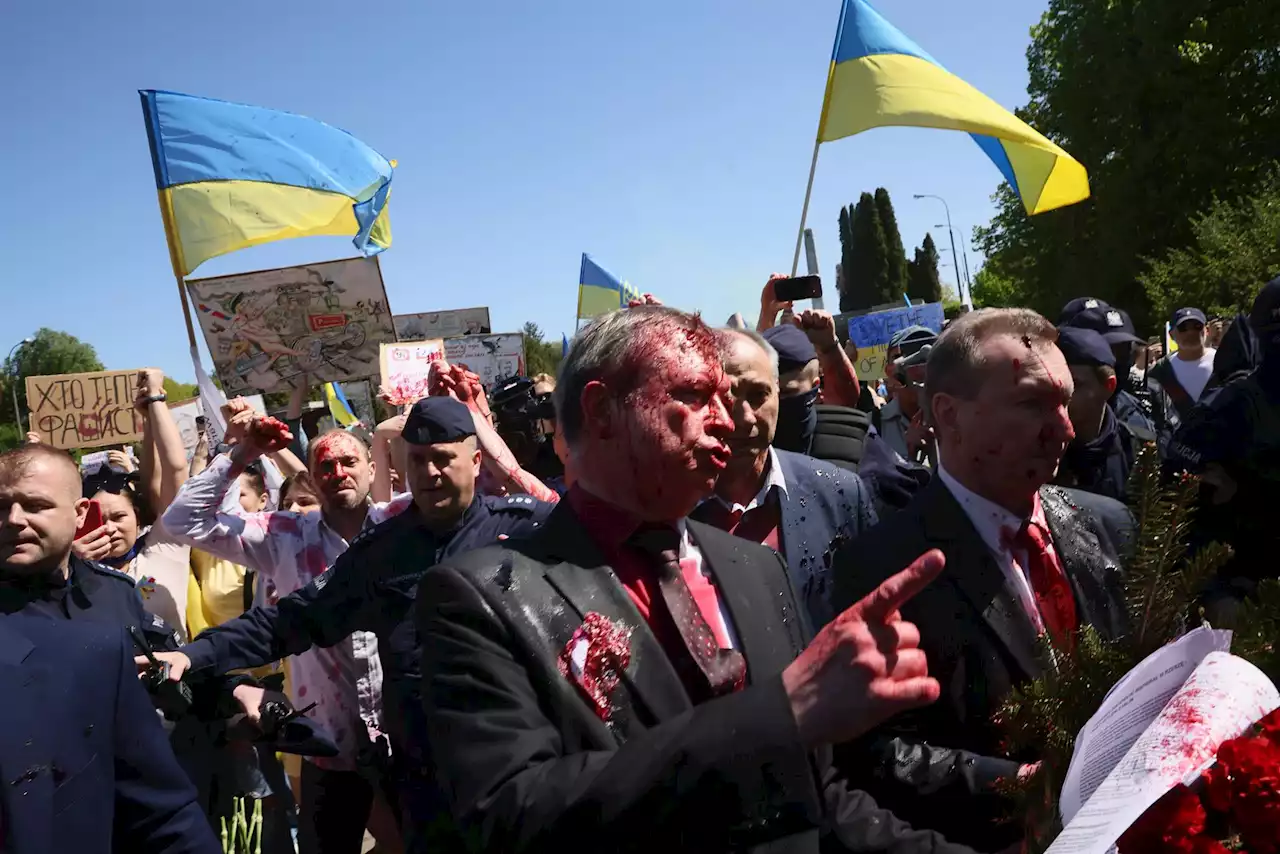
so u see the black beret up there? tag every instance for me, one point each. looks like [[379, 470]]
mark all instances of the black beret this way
[[434, 420]]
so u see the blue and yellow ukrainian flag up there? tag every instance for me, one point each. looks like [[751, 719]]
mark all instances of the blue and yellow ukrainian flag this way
[[600, 292], [340, 408], [881, 78], [232, 176]]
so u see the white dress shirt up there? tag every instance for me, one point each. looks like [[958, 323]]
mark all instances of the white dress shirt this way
[[772, 477], [998, 528]]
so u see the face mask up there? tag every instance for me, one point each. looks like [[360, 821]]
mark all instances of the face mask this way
[[797, 422]]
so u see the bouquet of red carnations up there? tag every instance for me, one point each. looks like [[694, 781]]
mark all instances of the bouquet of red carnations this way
[[1233, 806]]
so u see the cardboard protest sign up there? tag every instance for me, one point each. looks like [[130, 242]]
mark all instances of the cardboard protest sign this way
[[442, 324], [265, 328], [85, 410], [405, 367], [491, 357], [870, 333]]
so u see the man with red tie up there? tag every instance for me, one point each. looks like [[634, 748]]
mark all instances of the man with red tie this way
[[1024, 559], [629, 680]]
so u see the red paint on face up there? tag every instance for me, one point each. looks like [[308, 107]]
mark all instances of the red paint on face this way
[[331, 459], [673, 424], [1018, 426]]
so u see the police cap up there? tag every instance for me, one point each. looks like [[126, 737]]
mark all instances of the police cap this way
[[794, 348], [1084, 347], [1113, 324], [1077, 305], [434, 420]]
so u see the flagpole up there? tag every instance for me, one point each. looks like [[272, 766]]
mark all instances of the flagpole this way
[[170, 231], [186, 311], [804, 212]]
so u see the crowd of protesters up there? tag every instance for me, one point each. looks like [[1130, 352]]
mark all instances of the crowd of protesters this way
[[703, 590]]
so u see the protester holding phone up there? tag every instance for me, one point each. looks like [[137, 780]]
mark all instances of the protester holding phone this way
[[126, 502]]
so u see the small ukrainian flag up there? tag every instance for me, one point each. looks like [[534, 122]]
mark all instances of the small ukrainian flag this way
[[600, 292]]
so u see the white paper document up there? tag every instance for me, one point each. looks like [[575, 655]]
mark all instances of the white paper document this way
[[1159, 726]]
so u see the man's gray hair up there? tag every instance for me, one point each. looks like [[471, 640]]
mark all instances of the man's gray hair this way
[[618, 348], [955, 364], [755, 338]]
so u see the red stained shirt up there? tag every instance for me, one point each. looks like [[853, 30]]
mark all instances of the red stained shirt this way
[[609, 528]]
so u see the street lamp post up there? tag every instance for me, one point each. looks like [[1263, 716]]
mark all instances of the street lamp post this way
[[964, 253], [950, 231], [17, 413]]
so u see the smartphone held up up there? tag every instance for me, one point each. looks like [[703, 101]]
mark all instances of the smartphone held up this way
[[795, 288]]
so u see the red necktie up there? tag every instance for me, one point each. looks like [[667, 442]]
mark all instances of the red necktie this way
[[724, 669], [1050, 585]]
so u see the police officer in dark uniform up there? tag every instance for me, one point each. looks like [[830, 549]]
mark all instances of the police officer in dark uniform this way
[[1101, 455], [40, 508], [65, 586], [1232, 439], [371, 587], [1132, 399]]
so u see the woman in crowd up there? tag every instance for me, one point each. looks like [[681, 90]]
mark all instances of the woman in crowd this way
[[129, 501]]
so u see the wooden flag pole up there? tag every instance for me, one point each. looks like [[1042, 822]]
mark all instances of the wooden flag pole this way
[[186, 310], [804, 212], [170, 238]]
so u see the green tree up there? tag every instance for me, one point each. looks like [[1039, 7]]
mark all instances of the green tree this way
[[177, 391], [992, 290], [846, 259], [540, 357], [1168, 105], [1235, 249], [867, 276], [48, 352], [923, 281], [896, 257]]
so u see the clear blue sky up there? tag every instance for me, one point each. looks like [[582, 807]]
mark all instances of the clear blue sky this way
[[671, 139]]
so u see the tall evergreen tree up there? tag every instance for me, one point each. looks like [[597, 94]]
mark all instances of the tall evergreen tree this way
[[923, 281], [867, 275], [846, 259], [896, 255]]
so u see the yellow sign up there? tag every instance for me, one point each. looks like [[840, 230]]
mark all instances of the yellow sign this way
[[869, 365]]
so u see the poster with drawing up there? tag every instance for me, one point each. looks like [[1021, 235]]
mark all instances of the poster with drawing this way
[[491, 357], [406, 367], [267, 327], [442, 324]]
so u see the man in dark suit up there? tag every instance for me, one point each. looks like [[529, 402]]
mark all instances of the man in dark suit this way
[[801, 507], [87, 767], [1023, 559], [626, 680]]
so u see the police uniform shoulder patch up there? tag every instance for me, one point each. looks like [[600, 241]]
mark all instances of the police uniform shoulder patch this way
[[103, 569], [522, 503]]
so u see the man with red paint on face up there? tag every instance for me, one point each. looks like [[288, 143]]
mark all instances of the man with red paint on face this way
[[291, 550], [1023, 559], [630, 680]]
